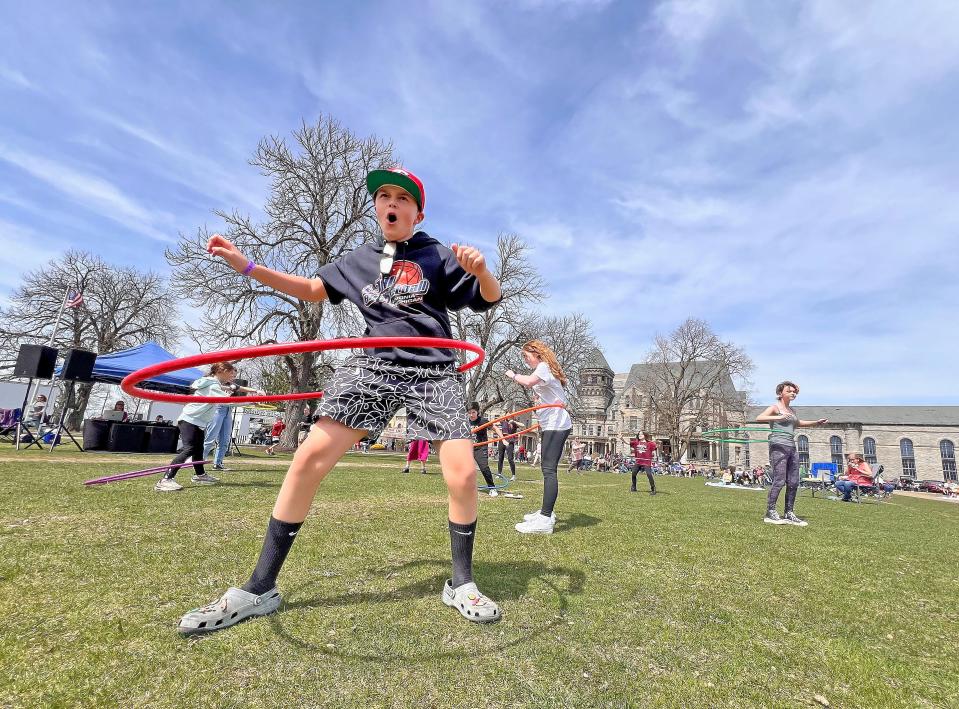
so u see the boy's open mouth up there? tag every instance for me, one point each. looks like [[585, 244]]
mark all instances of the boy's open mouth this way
[[391, 218]]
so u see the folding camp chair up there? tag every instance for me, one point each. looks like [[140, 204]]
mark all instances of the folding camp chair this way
[[8, 425], [875, 490]]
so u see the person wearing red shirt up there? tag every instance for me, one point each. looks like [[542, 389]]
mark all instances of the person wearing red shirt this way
[[858, 474], [275, 433], [642, 449]]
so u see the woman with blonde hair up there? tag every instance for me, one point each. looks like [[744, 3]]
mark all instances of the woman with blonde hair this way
[[547, 381]]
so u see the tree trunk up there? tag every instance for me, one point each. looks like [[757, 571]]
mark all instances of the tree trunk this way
[[78, 406], [301, 376]]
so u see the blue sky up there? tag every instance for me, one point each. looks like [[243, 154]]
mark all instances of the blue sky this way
[[786, 171]]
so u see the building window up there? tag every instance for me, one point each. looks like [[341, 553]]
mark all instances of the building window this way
[[802, 447], [869, 450], [908, 456], [948, 452], [590, 429], [633, 424], [746, 454], [835, 447]]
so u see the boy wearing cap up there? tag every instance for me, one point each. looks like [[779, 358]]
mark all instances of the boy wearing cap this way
[[404, 286]]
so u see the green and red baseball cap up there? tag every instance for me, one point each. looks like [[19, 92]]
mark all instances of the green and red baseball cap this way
[[401, 178]]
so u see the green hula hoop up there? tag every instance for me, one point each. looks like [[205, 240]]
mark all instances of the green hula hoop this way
[[714, 435], [502, 485]]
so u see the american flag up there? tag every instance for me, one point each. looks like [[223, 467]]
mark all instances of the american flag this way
[[74, 299]]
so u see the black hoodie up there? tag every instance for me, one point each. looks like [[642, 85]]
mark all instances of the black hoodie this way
[[425, 282]]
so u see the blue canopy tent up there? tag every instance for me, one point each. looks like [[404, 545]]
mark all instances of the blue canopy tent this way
[[112, 368]]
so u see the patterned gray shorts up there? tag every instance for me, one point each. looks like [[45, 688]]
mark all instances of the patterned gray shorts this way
[[366, 392]]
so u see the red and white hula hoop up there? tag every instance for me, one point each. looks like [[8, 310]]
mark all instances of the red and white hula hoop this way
[[130, 382]]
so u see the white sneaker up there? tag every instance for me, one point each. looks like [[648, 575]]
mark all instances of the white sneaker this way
[[167, 485], [534, 515], [493, 493], [538, 525]]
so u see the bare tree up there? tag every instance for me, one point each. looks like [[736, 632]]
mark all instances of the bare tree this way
[[569, 336], [503, 328], [317, 211], [122, 307], [689, 377]]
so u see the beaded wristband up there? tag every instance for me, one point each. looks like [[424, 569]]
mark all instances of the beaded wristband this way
[[249, 268]]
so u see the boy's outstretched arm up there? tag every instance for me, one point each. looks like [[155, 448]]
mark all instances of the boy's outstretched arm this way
[[310, 289]]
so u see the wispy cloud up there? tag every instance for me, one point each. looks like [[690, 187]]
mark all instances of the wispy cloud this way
[[90, 192], [16, 78], [779, 169]]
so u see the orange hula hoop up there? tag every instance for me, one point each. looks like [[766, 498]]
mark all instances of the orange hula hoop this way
[[503, 438], [518, 413]]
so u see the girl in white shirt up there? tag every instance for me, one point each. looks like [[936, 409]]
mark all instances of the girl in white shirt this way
[[547, 382]]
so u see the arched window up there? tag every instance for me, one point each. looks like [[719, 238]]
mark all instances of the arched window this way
[[869, 450], [908, 456], [802, 447], [835, 447], [948, 452]]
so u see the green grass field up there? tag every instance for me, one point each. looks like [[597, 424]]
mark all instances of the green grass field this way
[[683, 599]]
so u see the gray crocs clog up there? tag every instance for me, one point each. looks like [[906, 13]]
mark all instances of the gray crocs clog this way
[[232, 607], [471, 604]]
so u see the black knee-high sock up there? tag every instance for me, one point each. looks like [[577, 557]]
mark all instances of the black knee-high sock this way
[[633, 486], [652, 483], [461, 541], [279, 539]]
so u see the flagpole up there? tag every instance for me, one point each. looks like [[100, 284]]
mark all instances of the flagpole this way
[[56, 325]]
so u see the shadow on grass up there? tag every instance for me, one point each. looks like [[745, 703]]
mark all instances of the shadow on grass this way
[[577, 519], [262, 484], [503, 581]]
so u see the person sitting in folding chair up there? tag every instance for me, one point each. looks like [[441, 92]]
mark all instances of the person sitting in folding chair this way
[[859, 476]]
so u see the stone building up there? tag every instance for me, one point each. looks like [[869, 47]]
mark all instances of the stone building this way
[[594, 424], [614, 406], [913, 441]]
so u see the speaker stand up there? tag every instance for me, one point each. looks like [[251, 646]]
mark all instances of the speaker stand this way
[[233, 444], [60, 427], [21, 426]]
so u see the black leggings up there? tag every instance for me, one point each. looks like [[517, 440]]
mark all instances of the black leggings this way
[[481, 457], [649, 474], [191, 446], [507, 450], [551, 444], [784, 461]]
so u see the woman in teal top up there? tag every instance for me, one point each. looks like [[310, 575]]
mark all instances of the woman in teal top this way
[[192, 423], [783, 457]]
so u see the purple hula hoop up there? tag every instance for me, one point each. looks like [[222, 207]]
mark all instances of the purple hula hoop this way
[[141, 473]]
